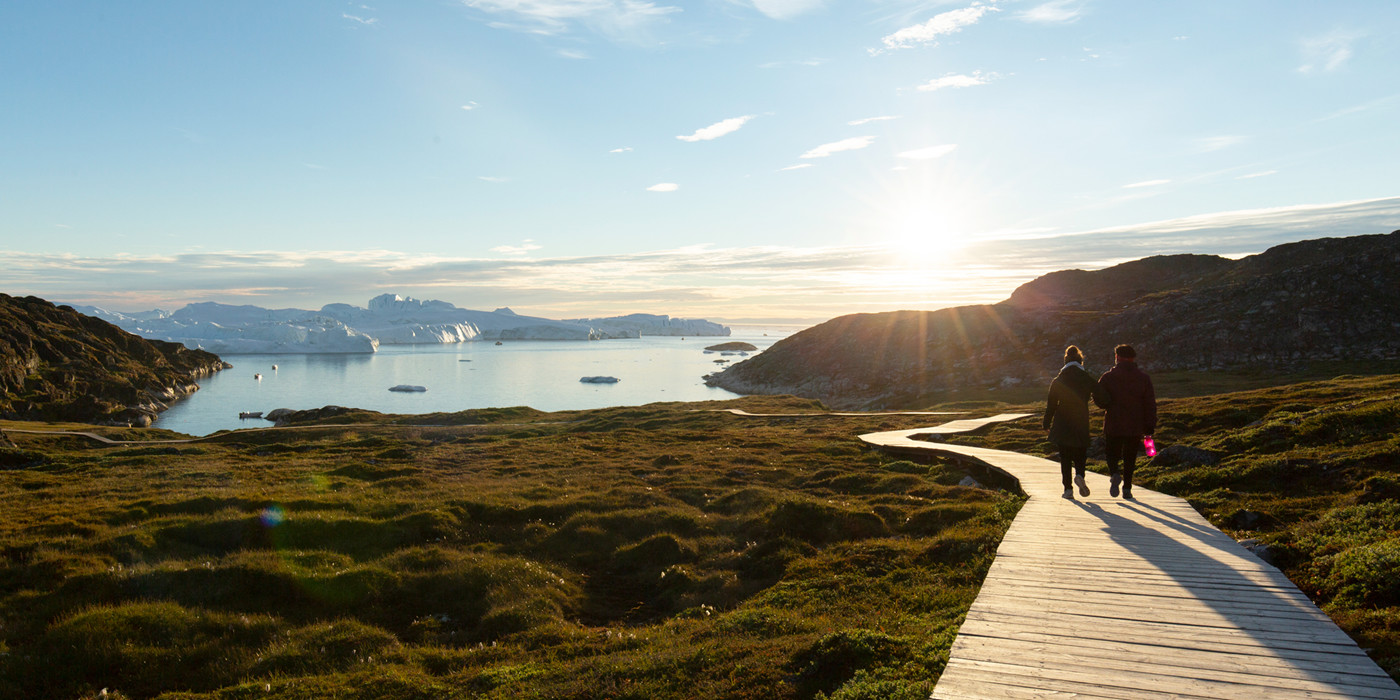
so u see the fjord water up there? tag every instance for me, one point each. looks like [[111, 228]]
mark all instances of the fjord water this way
[[540, 374]]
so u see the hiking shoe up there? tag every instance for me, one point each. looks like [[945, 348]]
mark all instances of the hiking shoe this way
[[1113, 482], [1069, 493], [1083, 487], [1128, 495]]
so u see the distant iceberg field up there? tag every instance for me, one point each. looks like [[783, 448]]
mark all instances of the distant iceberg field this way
[[390, 319]]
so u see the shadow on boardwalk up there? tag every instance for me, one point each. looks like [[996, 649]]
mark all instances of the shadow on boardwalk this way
[[1108, 598]]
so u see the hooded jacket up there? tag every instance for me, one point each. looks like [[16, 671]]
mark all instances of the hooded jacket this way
[[1067, 406]]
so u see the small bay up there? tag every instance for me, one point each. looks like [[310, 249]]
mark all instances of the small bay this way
[[540, 374]]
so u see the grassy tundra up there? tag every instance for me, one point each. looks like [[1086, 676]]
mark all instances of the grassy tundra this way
[[651, 552], [644, 552]]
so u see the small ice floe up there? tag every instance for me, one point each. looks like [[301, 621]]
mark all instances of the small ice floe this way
[[599, 380], [407, 387]]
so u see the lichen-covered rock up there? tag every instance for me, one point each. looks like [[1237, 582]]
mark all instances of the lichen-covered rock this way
[[59, 365]]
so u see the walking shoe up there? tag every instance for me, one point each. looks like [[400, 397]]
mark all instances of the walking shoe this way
[[1083, 487], [1128, 495], [1069, 493], [1113, 481]]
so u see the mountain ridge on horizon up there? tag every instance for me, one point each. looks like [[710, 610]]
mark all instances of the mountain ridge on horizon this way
[[1313, 300], [387, 318]]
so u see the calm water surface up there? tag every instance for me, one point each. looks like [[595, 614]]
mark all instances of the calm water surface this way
[[540, 374]]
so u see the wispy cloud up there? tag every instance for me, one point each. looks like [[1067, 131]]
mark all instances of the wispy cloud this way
[[785, 9], [930, 152], [954, 80], [1262, 173], [368, 22], [313, 166], [799, 166], [1053, 12], [618, 19], [1216, 143], [493, 178], [470, 106], [1327, 53], [807, 62], [624, 149], [867, 120], [664, 187], [525, 247], [718, 129], [1358, 109], [1145, 183], [851, 144], [942, 24], [573, 54]]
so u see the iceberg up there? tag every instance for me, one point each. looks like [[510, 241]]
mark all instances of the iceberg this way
[[656, 324], [389, 319], [396, 320], [241, 330]]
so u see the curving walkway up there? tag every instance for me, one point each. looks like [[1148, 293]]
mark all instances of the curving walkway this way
[[1104, 598]]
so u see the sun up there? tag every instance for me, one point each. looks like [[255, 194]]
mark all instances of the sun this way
[[924, 230]]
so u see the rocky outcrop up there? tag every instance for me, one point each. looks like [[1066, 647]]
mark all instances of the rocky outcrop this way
[[735, 346], [1317, 300], [59, 365]]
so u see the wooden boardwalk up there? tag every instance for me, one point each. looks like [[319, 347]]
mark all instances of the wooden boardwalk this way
[[1100, 597]]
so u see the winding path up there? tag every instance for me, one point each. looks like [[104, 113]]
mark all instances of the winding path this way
[[1104, 598]]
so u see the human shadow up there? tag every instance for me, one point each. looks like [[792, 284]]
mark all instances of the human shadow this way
[[1270, 615]]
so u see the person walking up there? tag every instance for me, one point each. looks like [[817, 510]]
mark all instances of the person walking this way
[[1067, 418], [1131, 415]]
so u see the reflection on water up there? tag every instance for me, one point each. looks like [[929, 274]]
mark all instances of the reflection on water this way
[[540, 374]]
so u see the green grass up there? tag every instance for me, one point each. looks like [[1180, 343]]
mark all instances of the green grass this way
[[643, 552], [647, 552]]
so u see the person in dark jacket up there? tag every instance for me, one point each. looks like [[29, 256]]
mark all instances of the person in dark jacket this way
[[1067, 418], [1131, 415]]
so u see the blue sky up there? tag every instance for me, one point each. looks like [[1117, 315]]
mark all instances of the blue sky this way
[[731, 159]]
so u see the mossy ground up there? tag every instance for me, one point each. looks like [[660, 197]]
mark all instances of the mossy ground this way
[[648, 552]]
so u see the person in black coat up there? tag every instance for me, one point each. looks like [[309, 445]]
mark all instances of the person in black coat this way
[[1067, 417], [1130, 415]]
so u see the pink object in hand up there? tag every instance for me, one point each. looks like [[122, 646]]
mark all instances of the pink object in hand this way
[[1149, 446]]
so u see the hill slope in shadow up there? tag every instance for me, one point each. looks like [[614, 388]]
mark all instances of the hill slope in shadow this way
[[59, 365], [1311, 301]]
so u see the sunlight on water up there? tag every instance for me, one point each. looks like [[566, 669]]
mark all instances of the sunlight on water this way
[[540, 374]]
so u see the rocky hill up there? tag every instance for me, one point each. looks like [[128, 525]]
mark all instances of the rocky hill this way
[[1317, 300], [58, 364]]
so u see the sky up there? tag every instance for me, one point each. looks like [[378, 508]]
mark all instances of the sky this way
[[736, 160]]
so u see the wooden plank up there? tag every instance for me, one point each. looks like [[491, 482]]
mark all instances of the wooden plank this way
[[1202, 666], [1307, 657], [1136, 684], [1080, 623], [1108, 598]]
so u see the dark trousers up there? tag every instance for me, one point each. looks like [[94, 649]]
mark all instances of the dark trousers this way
[[1125, 450], [1072, 459]]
